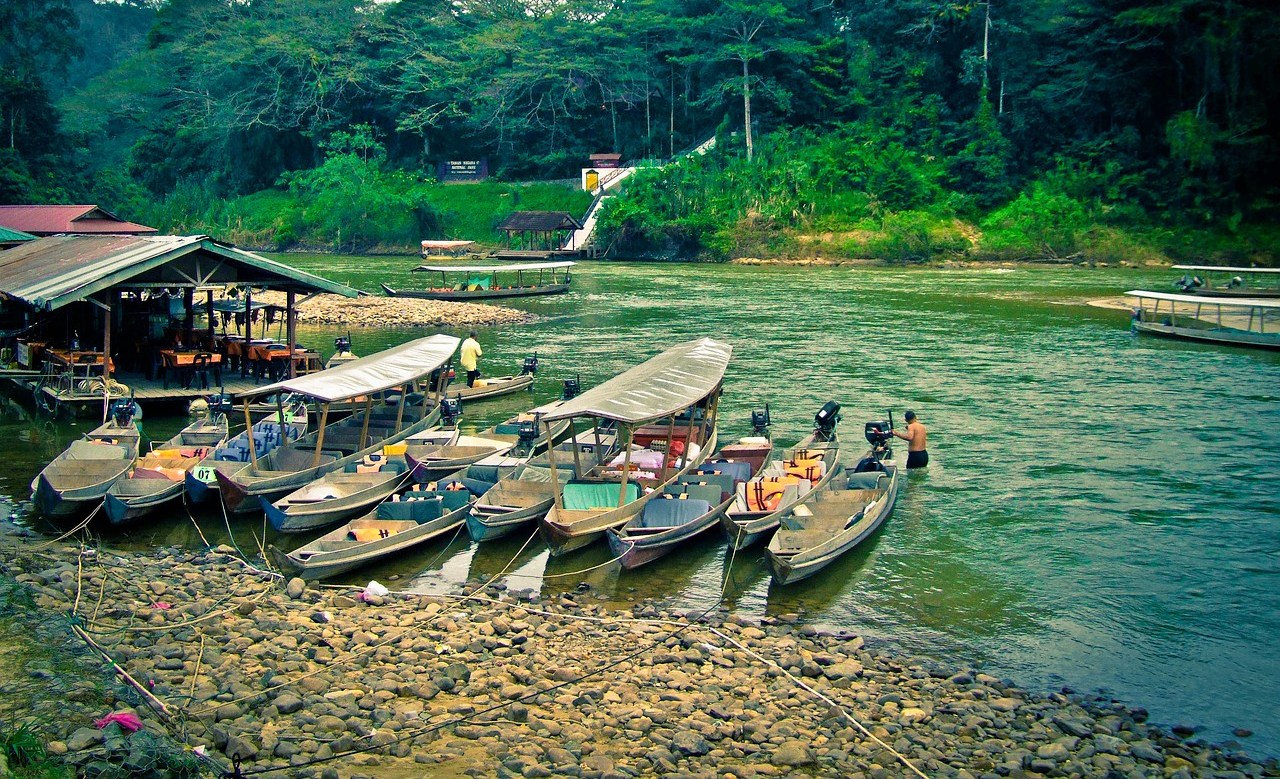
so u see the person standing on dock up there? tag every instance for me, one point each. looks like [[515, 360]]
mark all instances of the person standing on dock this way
[[917, 438], [470, 358]]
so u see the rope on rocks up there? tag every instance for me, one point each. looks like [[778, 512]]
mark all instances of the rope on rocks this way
[[545, 575], [79, 526], [187, 508]]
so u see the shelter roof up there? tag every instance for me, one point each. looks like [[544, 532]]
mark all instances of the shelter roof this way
[[658, 388], [523, 266], [9, 235], [540, 221], [53, 220], [447, 244], [49, 273], [394, 367], [1199, 300]]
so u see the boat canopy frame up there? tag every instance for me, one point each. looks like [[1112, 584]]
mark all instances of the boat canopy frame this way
[[473, 273]]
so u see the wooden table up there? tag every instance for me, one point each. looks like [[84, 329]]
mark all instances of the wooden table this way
[[69, 359], [184, 361], [273, 362]]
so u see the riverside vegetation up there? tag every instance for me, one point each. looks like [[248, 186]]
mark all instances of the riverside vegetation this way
[[903, 131], [244, 667]]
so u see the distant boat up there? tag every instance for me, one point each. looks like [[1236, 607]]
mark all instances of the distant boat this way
[[485, 282], [80, 477], [855, 504], [1222, 320], [1228, 281], [159, 477]]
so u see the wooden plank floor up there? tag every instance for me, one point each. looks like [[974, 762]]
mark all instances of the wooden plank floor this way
[[154, 389]]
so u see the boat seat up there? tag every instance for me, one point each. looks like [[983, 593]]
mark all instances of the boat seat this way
[[92, 450], [419, 510], [584, 496], [722, 481], [672, 511], [866, 481], [709, 493], [740, 471]]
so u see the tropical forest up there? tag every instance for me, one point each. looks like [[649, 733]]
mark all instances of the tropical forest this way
[[899, 130]]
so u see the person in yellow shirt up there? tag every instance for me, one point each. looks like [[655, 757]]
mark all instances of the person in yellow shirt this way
[[470, 358]]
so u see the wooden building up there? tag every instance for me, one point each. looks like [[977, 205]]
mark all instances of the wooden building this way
[[41, 220], [537, 234]]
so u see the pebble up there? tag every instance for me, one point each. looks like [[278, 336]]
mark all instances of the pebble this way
[[378, 311], [282, 689]]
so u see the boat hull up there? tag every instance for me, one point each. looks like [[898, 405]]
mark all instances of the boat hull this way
[[742, 533], [481, 294], [1222, 335], [121, 509], [298, 517]]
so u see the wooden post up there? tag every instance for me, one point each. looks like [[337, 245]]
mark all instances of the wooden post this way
[[551, 461], [324, 421], [577, 452], [291, 328], [666, 456], [248, 426], [248, 322], [626, 468], [208, 308], [189, 323], [106, 355], [284, 435], [368, 412], [404, 401]]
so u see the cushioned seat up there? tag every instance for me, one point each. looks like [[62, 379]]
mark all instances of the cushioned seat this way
[[866, 481], [708, 493], [740, 471], [722, 481], [671, 511], [582, 496]]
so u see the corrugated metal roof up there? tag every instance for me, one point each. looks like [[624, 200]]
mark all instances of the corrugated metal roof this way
[[8, 235], [394, 367], [540, 221], [49, 273], [656, 389], [54, 220]]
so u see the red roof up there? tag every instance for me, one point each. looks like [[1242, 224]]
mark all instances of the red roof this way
[[53, 220]]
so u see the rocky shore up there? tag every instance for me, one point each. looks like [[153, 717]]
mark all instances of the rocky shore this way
[[376, 311], [293, 680]]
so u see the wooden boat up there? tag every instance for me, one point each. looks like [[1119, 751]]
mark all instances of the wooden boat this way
[[691, 506], [1222, 320], [405, 520], [520, 436], [201, 480], [785, 484], [80, 477], [333, 446], [840, 517], [159, 477], [338, 495], [487, 282], [492, 387], [526, 493], [665, 412], [1227, 281]]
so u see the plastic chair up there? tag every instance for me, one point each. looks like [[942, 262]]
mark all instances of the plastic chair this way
[[199, 375]]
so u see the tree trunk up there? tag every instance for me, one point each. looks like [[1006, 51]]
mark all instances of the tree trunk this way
[[746, 108]]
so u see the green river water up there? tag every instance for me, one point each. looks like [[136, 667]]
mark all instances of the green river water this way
[[1101, 511]]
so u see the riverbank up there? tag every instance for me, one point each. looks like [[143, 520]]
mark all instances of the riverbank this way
[[378, 311], [303, 681]]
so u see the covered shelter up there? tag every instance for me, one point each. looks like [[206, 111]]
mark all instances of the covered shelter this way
[[42, 220], [66, 296], [10, 238], [538, 232]]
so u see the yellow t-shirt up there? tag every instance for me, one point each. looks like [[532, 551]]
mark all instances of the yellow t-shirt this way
[[471, 352]]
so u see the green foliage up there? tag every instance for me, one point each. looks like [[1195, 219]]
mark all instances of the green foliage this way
[[1037, 224], [22, 747]]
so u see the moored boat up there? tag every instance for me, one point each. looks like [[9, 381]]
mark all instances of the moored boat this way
[[1228, 281], [837, 519], [79, 478], [785, 483], [338, 495], [159, 477], [690, 506], [201, 480], [1233, 321], [665, 413], [393, 411], [487, 282], [406, 519]]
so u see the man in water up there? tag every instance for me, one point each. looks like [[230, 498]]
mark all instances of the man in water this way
[[917, 441], [470, 357]]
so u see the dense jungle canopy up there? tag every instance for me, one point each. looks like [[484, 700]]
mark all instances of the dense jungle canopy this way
[[894, 128]]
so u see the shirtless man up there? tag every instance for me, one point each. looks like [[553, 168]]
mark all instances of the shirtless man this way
[[917, 439]]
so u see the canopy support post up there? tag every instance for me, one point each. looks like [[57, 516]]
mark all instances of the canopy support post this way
[[284, 434], [324, 421], [626, 469], [291, 329], [551, 461], [404, 401], [368, 412], [248, 426]]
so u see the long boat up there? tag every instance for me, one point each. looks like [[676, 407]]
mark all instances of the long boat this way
[[785, 484], [665, 412], [394, 417], [406, 519], [486, 282], [159, 477], [340, 494], [289, 423], [1223, 320], [80, 477], [691, 506], [848, 512], [1228, 281], [520, 436]]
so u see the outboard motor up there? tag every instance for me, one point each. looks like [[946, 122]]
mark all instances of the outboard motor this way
[[342, 343], [878, 433], [825, 421], [530, 365], [760, 421], [450, 410], [526, 435], [572, 387], [219, 405], [122, 411]]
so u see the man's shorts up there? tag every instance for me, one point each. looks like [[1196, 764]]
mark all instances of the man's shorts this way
[[917, 459]]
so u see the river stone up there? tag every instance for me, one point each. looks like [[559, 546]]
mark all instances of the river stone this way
[[288, 703], [1145, 750], [792, 753], [83, 739], [240, 748], [1055, 751], [295, 588], [1072, 727], [690, 743]]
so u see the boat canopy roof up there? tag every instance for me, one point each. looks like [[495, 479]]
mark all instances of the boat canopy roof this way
[[447, 244], [496, 268], [1203, 300], [389, 368], [1225, 269], [661, 387]]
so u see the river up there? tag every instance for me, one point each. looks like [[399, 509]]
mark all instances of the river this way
[[1101, 511]]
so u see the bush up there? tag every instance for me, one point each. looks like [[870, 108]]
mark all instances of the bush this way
[[1038, 224]]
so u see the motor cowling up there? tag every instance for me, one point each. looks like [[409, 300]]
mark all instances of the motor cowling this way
[[342, 343], [450, 410], [827, 418], [123, 411], [760, 420], [219, 404], [572, 388], [530, 365], [878, 432]]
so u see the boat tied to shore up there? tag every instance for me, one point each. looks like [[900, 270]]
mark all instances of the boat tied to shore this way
[[839, 518], [393, 411], [1233, 321], [1228, 281], [785, 484], [79, 478], [289, 423], [664, 412], [487, 282]]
